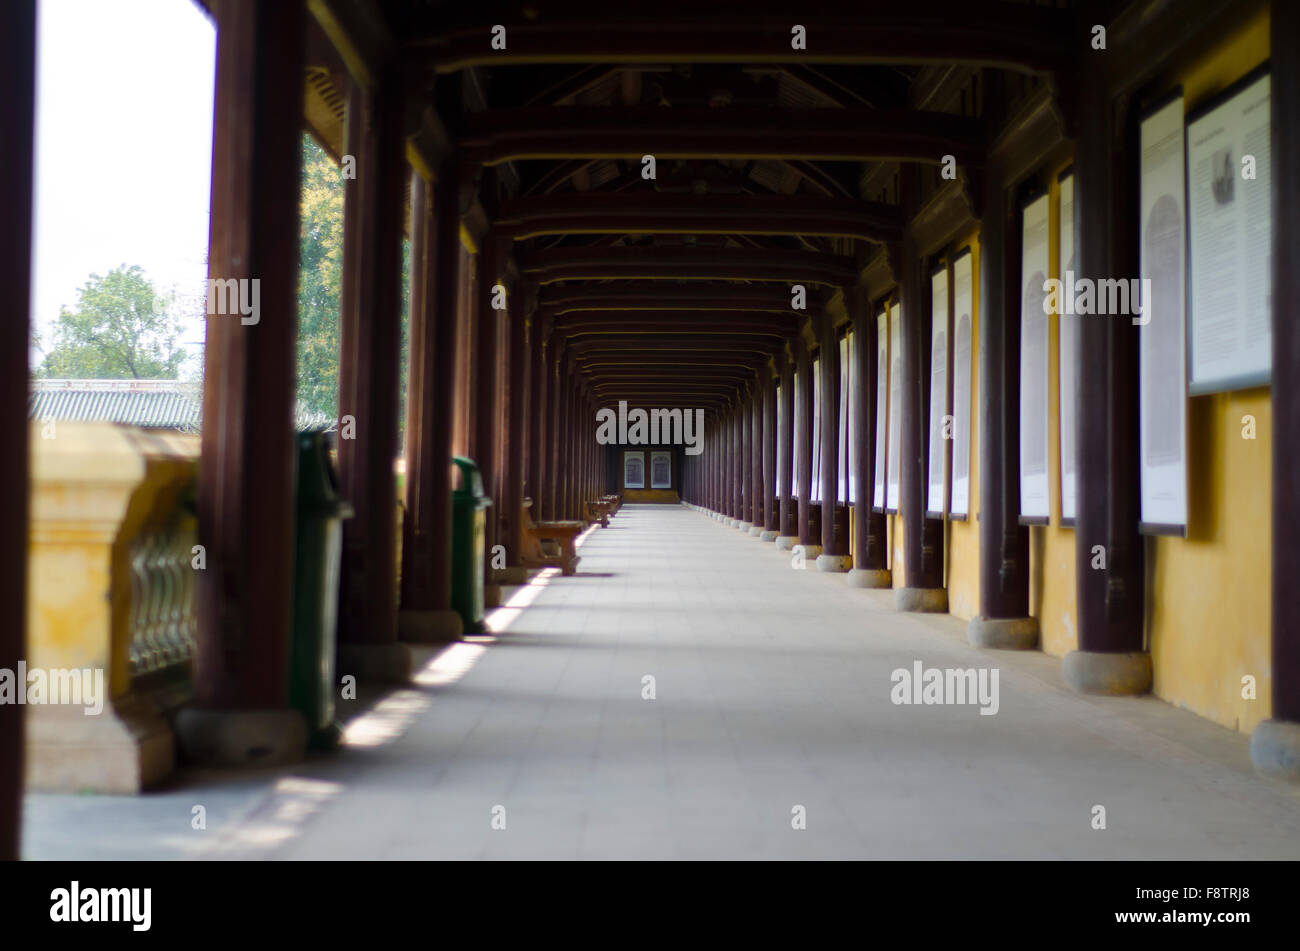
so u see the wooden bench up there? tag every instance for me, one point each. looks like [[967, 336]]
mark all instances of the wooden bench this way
[[598, 511], [614, 501], [563, 533]]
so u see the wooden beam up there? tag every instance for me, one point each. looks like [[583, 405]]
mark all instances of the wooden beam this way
[[657, 213], [684, 262], [831, 135], [1002, 35]]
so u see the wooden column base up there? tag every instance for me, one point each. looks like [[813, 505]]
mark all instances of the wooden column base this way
[[921, 600], [430, 627], [870, 578], [1110, 674], [241, 738], [1003, 633], [1275, 749], [387, 663], [835, 564]]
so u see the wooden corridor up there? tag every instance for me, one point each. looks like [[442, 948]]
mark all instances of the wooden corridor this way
[[679, 210], [772, 690]]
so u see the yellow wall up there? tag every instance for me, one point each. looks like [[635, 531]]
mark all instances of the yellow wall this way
[[1208, 616], [962, 539], [1052, 546]]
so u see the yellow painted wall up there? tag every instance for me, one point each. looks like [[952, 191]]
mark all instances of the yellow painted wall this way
[[962, 538], [1208, 614], [1052, 546]]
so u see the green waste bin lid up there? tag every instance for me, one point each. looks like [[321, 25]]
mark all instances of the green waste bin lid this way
[[318, 487], [471, 481]]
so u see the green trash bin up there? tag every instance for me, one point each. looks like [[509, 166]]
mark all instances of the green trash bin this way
[[319, 550], [468, 534]]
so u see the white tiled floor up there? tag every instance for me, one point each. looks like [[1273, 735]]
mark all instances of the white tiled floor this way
[[772, 691]]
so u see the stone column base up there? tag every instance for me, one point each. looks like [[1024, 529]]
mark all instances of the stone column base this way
[[755, 531], [1112, 674], [241, 738], [375, 663], [810, 552], [429, 627], [786, 542], [837, 564], [124, 749], [921, 600], [1275, 749], [870, 578], [768, 535], [744, 526], [491, 595], [1003, 633], [512, 574]]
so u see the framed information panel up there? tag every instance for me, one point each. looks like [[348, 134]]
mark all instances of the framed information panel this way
[[1162, 349], [940, 422], [895, 407], [963, 356], [1034, 501], [882, 410], [1067, 351], [1230, 239], [634, 470]]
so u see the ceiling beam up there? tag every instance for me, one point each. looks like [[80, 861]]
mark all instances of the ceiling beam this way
[[846, 135], [661, 296], [683, 262], [991, 33], [656, 213]]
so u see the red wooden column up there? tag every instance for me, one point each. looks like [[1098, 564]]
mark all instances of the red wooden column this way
[[1003, 621], [771, 516], [811, 543], [923, 588], [1110, 658], [370, 333], [834, 556], [553, 495], [1275, 743], [522, 323], [785, 459], [539, 333], [757, 489], [485, 412], [17, 125], [722, 479], [745, 460], [737, 510], [426, 615], [869, 534], [567, 386], [240, 713]]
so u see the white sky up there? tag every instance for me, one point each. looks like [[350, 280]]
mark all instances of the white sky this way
[[123, 149]]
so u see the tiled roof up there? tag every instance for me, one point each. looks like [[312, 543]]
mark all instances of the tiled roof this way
[[150, 404]]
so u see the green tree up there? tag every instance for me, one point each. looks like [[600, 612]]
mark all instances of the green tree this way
[[121, 329], [320, 268]]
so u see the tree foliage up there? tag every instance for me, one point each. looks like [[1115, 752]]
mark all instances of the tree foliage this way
[[121, 329], [320, 271]]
